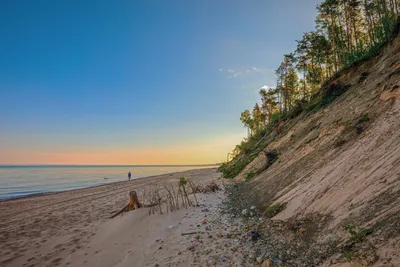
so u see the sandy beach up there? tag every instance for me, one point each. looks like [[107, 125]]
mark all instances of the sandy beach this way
[[74, 228]]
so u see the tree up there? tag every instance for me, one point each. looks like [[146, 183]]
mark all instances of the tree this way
[[258, 118], [247, 121], [269, 102]]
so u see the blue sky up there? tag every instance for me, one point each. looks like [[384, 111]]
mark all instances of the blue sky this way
[[115, 82]]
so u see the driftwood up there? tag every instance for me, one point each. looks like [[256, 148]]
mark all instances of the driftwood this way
[[124, 209], [133, 200], [172, 196], [133, 204]]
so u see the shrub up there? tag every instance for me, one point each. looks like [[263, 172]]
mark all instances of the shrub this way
[[250, 175], [182, 181], [272, 156], [365, 118], [333, 91], [362, 123], [273, 210]]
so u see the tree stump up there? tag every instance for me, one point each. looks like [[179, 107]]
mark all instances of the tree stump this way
[[133, 200]]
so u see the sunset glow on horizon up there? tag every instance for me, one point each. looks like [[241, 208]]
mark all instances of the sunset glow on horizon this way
[[211, 152], [136, 82]]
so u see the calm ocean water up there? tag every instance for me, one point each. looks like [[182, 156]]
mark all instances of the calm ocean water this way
[[20, 181]]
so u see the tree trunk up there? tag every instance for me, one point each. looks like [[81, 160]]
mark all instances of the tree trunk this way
[[346, 16], [304, 84], [334, 43], [133, 200]]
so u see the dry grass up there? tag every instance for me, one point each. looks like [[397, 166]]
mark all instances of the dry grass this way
[[169, 197]]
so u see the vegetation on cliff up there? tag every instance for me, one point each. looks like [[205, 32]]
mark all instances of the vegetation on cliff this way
[[346, 33]]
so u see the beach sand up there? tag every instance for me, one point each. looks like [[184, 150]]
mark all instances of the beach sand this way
[[74, 228]]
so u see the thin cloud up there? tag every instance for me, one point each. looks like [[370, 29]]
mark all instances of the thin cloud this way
[[234, 73], [267, 87]]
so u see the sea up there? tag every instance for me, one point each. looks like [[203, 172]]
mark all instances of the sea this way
[[22, 181]]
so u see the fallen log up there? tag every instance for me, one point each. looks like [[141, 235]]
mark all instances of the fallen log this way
[[124, 209]]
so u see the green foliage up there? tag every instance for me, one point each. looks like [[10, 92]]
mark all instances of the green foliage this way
[[231, 169], [358, 235], [250, 175], [276, 117], [182, 181], [347, 33], [365, 118], [273, 210], [348, 255]]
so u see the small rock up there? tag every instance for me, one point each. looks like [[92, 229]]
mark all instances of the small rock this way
[[191, 248], [259, 259], [254, 235], [253, 207], [211, 262], [244, 212], [204, 221]]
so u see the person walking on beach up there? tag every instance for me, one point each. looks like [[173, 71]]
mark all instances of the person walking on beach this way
[[129, 175]]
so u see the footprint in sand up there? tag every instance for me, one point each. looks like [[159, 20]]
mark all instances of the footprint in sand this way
[[56, 261]]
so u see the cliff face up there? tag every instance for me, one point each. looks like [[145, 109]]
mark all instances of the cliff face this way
[[344, 160]]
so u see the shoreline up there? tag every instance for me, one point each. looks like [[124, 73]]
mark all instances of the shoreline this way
[[41, 194], [47, 230]]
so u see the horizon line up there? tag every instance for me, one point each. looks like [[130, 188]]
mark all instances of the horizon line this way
[[105, 165]]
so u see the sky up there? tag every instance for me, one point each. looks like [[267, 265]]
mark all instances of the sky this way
[[137, 82]]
